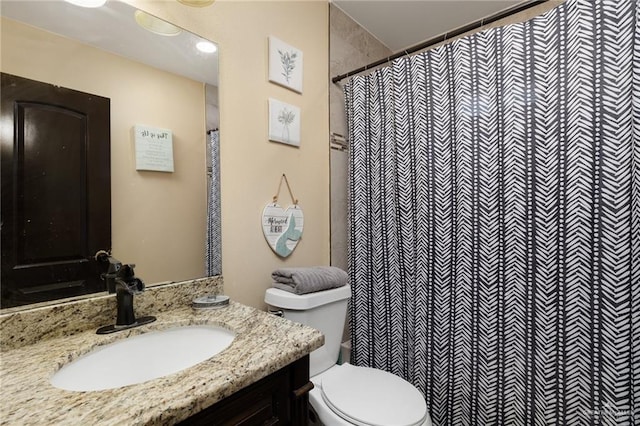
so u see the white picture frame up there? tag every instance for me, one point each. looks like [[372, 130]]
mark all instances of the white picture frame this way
[[285, 64], [284, 123], [153, 148]]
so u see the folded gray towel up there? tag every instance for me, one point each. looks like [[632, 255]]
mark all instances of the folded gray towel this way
[[309, 280]]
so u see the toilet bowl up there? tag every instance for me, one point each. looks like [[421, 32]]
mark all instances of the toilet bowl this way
[[347, 394]]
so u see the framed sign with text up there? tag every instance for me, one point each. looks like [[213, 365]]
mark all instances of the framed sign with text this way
[[154, 148]]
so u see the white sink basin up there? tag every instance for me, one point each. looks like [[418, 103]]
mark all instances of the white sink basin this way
[[144, 357]]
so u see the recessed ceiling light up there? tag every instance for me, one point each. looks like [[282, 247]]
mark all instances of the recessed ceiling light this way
[[196, 3], [87, 3], [156, 25], [206, 46]]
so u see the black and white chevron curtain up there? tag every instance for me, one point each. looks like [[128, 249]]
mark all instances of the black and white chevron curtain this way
[[494, 219], [213, 243]]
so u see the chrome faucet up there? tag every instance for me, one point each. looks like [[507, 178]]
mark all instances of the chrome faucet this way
[[122, 281]]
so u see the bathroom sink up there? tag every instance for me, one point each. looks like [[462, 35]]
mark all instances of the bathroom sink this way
[[144, 357]]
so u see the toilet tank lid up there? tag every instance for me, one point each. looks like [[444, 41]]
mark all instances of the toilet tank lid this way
[[287, 300]]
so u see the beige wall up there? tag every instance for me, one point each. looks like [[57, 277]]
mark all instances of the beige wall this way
[[156, 223], [251, 165]]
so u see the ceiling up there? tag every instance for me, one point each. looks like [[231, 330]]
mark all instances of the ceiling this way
[[113, 28], [400, 24]]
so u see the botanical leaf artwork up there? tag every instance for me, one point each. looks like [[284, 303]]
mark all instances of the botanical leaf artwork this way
[[286, 117], [288, 62], [284, 122]]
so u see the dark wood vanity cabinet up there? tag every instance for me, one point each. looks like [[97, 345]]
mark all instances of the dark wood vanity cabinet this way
[[281, 398]]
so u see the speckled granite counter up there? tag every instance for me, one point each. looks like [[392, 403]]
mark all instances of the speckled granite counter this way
[[263, 344]]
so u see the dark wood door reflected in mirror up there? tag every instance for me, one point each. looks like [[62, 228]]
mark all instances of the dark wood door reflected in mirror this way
[[56, 190]]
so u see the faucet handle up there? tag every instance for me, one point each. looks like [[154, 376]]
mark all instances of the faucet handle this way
[[126, 271], [136, 285], [110, 263], [127, 278]]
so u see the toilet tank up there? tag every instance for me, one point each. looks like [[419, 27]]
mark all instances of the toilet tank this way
[[323, 310]]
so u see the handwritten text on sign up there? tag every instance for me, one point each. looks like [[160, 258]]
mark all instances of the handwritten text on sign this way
[[154, 149]]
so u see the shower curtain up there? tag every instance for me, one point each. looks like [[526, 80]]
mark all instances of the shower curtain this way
[[494, 220], [213, 249]]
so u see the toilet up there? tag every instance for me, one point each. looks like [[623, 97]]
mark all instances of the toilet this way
[[346, 394]]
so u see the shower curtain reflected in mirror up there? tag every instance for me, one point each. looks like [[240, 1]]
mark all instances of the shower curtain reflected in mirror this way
[[494, 218], [213, 255]]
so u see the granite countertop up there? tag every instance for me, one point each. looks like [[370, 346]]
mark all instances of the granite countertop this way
[[263, 344]]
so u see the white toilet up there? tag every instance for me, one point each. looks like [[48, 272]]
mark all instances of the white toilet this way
[[346, 394]]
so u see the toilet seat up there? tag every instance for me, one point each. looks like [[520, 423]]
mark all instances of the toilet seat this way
[[370, 397]]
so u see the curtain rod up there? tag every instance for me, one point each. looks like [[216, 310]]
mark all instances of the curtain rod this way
[[443, 37]]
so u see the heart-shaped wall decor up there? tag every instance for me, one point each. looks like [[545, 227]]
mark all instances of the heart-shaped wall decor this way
[[282, 228]]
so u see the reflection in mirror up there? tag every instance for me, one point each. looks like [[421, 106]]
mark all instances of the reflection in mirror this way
[[158, 219]]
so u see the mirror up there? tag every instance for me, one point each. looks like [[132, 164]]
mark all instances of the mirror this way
[[158, 219]]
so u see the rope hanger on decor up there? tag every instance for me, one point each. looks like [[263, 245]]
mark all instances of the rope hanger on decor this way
[[275, 197], [282, 228]]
